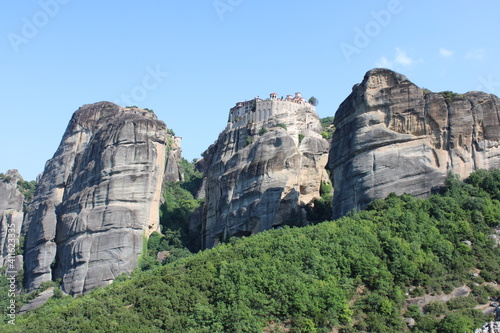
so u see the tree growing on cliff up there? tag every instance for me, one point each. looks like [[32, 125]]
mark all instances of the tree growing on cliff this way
[[351, 274], [313, 100]]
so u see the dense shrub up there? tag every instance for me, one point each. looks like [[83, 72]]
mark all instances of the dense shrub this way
[[179, 204], [328, 128], [436, 308]]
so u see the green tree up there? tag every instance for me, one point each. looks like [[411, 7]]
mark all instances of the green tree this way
[[328, 127], [436, 308], [313, 101]]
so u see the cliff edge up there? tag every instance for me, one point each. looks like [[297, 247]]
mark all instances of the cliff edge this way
[[392, 136]]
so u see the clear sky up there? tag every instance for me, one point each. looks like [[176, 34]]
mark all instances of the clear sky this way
[[190, 61]]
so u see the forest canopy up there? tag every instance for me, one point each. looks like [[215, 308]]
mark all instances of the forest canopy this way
[[356, 274]]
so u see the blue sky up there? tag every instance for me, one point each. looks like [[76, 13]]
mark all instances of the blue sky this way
[[190, 61]]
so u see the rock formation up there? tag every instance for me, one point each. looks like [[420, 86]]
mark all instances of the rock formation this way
[[491, 327], [11, 220], [97, 198], [173, 171], [392, 136], [38, 301], [267, 164]]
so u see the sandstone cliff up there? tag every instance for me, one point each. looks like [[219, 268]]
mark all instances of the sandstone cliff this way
[[491, 327], [97, 198], [173, 171], [265, 166], [11, 219], [392, 136]]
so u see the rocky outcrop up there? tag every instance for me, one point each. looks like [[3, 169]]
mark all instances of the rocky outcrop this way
[[11, 220], [38, 301], [173, 171], [392, 136], [265, 166], [491, 327], [422, 301], [97, 198]]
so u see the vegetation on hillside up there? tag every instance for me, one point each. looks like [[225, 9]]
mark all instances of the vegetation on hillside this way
[[321, 209], [328, 127], [354, 273], [449, 96], [4, 178], [426, 91], [27, 188]]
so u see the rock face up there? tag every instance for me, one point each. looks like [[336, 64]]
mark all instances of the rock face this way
[[173, 171], [491, 327], [267, 164], [97, 198], [11, 220], [391, 136]]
